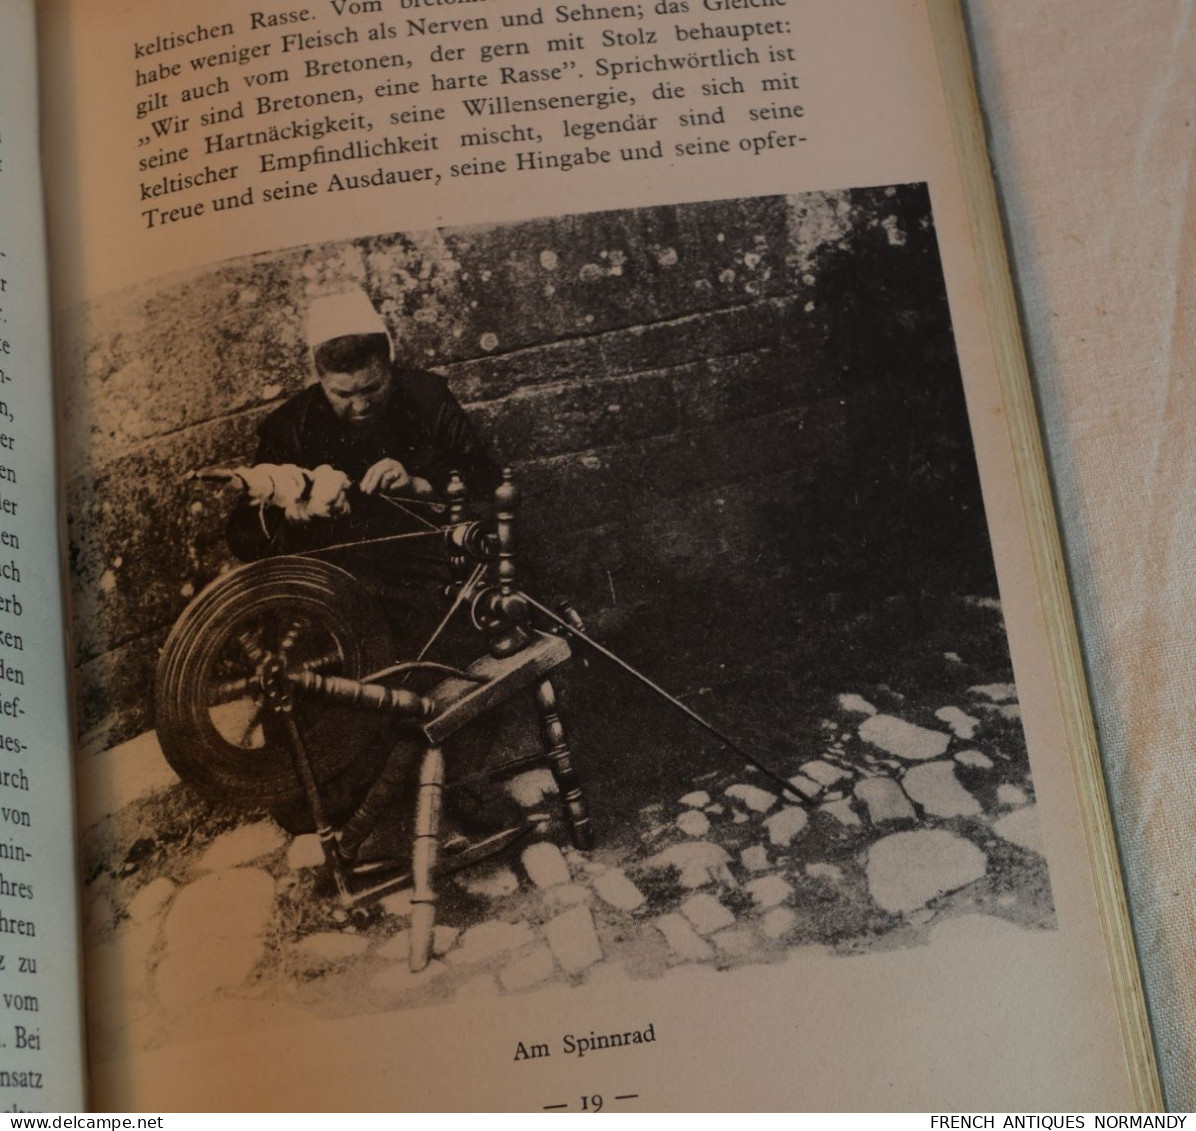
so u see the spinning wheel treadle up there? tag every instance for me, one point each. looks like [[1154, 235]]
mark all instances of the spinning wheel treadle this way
[[281, 615]]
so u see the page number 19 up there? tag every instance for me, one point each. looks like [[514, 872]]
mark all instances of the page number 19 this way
[[591, 1103]]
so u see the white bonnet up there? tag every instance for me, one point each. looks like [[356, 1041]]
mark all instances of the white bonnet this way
[[339, 315]]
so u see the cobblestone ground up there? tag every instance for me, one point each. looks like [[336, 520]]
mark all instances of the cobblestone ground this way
[[913, 812]]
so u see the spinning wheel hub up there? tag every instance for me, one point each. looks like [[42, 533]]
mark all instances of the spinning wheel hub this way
[[273, 676]]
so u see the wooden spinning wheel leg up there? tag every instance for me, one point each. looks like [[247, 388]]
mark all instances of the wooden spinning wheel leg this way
[[560, 762], [315, 805], [425, 852]]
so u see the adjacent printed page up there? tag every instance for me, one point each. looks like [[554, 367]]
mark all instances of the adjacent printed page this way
[[759, 792], [41, 1047]]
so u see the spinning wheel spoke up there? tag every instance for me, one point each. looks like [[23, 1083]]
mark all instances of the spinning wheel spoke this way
[[230, 690], [250, 641], [238, 722], [291, 636], [254, 729]]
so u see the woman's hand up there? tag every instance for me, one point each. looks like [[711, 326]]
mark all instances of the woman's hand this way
[[389, 477], [386, 477]]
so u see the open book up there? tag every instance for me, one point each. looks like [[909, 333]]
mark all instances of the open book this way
[[563, 599]]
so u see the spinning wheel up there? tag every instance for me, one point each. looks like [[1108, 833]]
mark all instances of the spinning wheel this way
[[272, 689], [231, 652]]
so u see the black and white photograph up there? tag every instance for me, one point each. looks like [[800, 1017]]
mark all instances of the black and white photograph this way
[[573, 601]]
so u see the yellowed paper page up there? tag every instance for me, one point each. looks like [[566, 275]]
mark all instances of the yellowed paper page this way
[[702, 276], [41, 1061]]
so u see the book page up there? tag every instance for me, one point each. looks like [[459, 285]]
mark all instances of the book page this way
[[41, 1062], [557, 624]]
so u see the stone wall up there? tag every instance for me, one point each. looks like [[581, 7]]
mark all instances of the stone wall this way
[[699, 401]]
